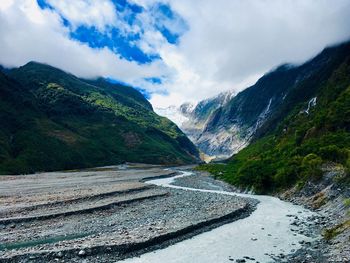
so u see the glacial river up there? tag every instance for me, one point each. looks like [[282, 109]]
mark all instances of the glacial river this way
[[266, 231]]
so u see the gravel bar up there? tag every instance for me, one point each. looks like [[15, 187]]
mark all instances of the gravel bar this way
[[97, 227]]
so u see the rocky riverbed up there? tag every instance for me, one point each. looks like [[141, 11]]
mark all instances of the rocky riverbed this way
[[103, 214], [331, 200], [309, 226], [329, 227], [112, 213]]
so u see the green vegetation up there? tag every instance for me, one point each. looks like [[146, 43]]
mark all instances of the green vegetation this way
[[292, 149], [51, 120], [347, 202], [331, 233]]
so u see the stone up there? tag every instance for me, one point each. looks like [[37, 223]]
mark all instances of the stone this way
[[82, 253]]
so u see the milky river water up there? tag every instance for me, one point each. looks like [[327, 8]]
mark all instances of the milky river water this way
[[266, 231]]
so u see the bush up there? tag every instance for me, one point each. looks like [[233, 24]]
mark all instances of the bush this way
[[311, 167], [257, 174], [333, 153]]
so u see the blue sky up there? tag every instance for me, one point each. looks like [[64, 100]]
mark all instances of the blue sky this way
[[123, 43], [174, 51]]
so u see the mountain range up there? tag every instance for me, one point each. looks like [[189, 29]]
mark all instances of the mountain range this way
[[223, 125], [296, 120], [52, 120]]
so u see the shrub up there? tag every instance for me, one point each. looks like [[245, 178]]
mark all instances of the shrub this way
[[311, 167], [333, 153]]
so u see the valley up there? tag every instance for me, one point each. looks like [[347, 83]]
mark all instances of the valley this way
[[106, 213], [174, 131], [148, 213]]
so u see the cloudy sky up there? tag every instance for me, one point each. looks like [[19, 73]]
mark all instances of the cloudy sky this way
[[174, 50]]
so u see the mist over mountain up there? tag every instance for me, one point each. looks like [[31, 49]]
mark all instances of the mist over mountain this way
[[223, 125]]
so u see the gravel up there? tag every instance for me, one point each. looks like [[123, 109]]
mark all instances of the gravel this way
[[104, 225], [327, 198]]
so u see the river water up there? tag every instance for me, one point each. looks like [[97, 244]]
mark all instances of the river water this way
[[266, 231]]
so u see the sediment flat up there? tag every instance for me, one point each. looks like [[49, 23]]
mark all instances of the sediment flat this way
[[101, 214]]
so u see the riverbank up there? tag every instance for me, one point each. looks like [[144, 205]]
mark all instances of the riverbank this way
[[104, 214], [331, 200], [266, 235]]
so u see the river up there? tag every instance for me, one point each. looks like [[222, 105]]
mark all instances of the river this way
[[267, 231]]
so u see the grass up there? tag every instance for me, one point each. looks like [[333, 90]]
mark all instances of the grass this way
[[333, 232]]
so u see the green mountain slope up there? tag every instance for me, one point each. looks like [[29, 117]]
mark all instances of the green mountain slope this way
[[309, 128], [52, 120]]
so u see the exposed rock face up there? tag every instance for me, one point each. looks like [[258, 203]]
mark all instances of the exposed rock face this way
[[212, 143], [223, 125]]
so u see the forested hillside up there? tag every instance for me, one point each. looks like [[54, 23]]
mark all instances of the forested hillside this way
[[309, 129], [52, 120]]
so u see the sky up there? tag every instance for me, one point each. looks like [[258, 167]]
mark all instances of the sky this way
[[174, 51]]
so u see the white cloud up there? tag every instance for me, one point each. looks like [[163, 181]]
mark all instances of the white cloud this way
[[231, 43], [99, 13], [29, 33], [228, 45]]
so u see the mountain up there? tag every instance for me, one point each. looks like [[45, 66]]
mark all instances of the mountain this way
[[173, 113], [192, 120], [196, 125], [232, 124], [52, 120], [298, 121]]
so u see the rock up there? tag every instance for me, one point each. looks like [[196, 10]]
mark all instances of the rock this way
[[240, 260], [12, 226], [82, 253], [59, 254], [254, 239]]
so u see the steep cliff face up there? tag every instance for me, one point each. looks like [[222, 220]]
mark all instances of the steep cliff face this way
[[309, 129], [223, 125], [198, 116]]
